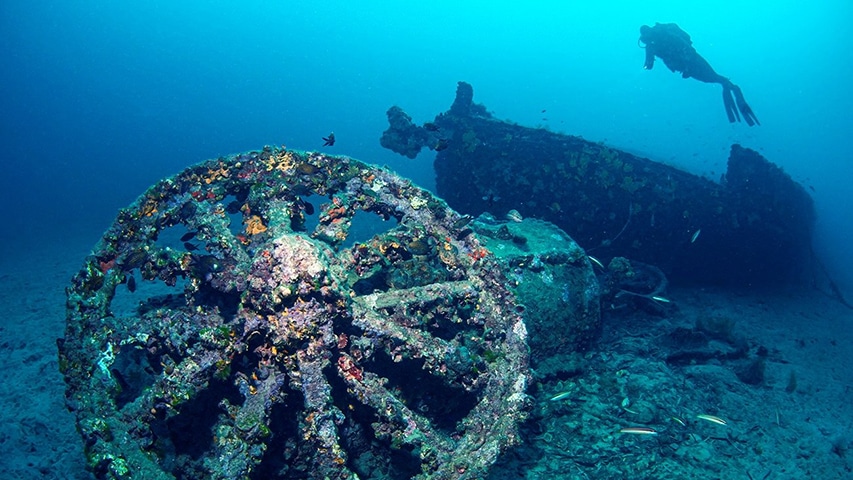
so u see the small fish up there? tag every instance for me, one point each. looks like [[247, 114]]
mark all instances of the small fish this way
[[234, 207], [712, 419], [595, 261], [560, 396], [695, 235], [135, 259], [307, 207], [188, 236], [431, 127], [678, 420], [419, 247], [660, 299], [307, 169], [514, 216], [490, 198], [441, 144], [190, 247], [203, 266], [131, 283], [639, 430], [463, 220], [464, 233], [330, 140]]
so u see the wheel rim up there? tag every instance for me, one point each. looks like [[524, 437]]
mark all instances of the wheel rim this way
[[287, 353]]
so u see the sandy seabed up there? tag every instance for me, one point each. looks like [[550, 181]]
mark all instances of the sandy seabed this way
[[772, 433]]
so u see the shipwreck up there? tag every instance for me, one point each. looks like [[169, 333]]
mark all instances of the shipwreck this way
[[754, 227]]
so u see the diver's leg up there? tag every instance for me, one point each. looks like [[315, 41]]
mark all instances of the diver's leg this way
[[699, 68]]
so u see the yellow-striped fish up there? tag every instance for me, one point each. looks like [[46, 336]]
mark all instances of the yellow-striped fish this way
[[678, 420], [639, 430], [596, 261], [514, 216], [712, 419], [695, 235], [560, 396]]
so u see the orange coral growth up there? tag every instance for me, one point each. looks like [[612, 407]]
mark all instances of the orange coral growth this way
[[150, 208], [214, 175], [334, 213], [254, 225], [281, 160]]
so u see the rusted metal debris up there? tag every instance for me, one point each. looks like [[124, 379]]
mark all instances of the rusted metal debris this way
[[552, 277], [756, 225], [267, 349]]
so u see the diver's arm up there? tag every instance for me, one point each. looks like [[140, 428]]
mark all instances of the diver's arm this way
[[650, 58]]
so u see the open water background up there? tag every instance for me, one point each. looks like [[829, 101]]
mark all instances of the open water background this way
[[101, 99]]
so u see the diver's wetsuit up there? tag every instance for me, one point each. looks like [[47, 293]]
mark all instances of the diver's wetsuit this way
[[674, 47]]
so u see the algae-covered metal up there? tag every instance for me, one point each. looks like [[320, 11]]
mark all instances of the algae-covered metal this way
[[552, 277], [259, 347], [756, 223]]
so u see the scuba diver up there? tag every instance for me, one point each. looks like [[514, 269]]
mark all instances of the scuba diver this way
[[674, 47]]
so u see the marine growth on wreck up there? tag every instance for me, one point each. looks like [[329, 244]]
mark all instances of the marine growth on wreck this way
[[222, 328], [757, 221]]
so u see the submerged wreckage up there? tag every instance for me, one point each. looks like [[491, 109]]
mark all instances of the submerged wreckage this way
[[754, 227], [261, 345], [222, 328]]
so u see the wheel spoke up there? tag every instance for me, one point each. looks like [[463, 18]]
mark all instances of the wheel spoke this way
[[320, 416], [407, 427]]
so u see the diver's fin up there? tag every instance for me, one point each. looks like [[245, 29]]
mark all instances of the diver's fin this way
[[748, 116], [729, 103]]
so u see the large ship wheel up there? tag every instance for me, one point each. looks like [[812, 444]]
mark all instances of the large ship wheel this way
[[222, 328]]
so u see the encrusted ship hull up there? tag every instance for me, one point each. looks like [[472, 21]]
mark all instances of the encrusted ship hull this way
[[754, 227]]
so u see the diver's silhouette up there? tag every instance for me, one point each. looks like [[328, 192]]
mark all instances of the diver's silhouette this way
[[674, 47]]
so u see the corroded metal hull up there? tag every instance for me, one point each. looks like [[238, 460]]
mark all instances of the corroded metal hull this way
[[755, 226]]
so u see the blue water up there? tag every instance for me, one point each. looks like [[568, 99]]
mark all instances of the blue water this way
[[101, 99]]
